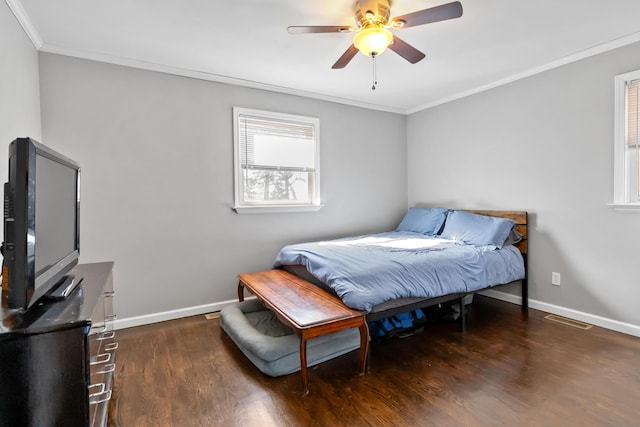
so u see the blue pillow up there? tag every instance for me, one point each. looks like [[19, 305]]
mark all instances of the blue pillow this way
[[477, 229], [422, 220]]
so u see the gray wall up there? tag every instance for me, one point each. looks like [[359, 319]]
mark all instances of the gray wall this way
[[543, 144], [19, 94], [156, 152]]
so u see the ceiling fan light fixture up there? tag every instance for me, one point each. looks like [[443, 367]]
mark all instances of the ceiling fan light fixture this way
[[372, 40]]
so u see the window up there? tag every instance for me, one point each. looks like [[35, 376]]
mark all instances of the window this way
[[627, 142], [276, 162]]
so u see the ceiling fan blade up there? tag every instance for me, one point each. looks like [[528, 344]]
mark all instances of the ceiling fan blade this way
[[319, 29], [405, 50], [427, 16], [346, 57]]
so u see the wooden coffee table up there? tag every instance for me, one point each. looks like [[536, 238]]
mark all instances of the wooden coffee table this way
[[309, 310]]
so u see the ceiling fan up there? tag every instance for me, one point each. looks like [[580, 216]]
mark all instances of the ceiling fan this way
[[372, 34]]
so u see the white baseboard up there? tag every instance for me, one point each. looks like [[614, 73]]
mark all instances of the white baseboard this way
[[146, 319], [625, 328]]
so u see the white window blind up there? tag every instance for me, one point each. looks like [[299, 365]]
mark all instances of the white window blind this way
[[275, 144], [632, 140]]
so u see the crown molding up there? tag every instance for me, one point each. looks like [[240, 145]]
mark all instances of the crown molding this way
[[24, 21], [218, 78], [168, 69], [583, 54]]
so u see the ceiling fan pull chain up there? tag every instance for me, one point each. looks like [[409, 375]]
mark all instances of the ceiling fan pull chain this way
[[375, 74]]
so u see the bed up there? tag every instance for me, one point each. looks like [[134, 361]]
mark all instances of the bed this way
[[435, 255]]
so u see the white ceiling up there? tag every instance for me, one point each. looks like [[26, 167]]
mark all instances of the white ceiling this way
[[246, 42]]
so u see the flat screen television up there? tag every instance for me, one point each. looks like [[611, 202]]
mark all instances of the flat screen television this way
[[41, 223]]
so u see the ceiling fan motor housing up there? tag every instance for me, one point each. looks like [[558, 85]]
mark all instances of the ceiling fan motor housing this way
[[372, 12]]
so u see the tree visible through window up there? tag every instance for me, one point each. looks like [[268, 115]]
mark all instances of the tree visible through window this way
[[276, 160]]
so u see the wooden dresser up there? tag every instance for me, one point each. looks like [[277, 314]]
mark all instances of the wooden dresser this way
[[57, 359]]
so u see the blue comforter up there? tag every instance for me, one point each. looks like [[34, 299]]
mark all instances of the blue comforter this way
[[368, 270]]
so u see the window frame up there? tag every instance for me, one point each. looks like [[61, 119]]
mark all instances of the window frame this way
[[620, 192], [276, 206]]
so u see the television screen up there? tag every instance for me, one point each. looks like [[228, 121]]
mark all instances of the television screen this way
[[55, 213]]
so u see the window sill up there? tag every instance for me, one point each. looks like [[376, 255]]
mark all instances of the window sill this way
[[626, 207], [276, 209]]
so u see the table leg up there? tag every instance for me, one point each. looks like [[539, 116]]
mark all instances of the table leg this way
[[364, 346], [240, 291], [303, 365]]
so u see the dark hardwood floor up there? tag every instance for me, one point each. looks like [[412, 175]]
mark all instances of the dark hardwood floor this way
[[507, 369]]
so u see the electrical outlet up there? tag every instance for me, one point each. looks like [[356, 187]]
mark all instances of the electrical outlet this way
[[555, 279]]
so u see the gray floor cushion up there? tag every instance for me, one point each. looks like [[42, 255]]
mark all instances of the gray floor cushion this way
[[272, 346]]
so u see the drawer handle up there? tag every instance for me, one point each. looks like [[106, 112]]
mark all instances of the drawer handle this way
[[109, 294], [97, 399], [101, 358], [107, 369], [100, 387], [111, 346], [110, 318], [107, 335], [98, 328]]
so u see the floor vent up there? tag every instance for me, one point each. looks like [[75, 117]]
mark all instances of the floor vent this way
[[570, 322], [211, 316]]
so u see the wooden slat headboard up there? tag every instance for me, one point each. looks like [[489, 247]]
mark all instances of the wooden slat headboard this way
[[520, 218]]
